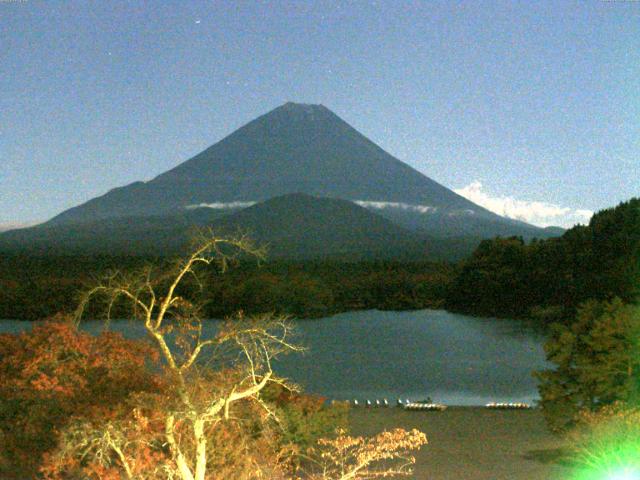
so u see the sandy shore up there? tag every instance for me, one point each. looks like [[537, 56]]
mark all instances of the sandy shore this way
[[473, 443]]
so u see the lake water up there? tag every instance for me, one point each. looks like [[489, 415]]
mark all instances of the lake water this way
[[454, 359]]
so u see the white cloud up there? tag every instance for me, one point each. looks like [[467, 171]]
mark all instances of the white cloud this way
[[542, 214], [221, 205], [397, 205], [362, 203]]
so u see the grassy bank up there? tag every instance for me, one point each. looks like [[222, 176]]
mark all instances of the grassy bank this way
[[472, 443]]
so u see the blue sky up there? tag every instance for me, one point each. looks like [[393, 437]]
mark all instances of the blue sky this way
[[531, 107]]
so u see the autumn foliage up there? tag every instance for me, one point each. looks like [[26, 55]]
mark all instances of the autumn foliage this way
[[55, 374], [385, 455], [72, 404]]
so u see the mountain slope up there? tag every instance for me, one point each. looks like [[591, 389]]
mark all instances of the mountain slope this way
[[295, 226], [301, 148]]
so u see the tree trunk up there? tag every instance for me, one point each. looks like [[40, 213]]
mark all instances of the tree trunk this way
[[201, 449], [183, 468]]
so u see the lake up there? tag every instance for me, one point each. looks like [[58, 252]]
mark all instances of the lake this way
[[454, 359]]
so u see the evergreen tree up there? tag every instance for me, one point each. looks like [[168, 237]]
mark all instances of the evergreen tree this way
[[597, 359]]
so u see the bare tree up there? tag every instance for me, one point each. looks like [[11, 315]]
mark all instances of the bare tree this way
[[243, 349], [209, 376]]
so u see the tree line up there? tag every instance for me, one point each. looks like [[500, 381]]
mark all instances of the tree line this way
[[32, 288], [548, 279]]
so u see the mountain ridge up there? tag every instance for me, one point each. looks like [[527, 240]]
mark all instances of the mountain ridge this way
[[293, 148], [381, 206]]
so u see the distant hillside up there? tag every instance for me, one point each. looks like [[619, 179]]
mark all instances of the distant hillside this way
[[295, 226], [301, 226], [309, 149]]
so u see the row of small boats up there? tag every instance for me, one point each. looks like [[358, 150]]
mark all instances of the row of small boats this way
[[428, 405], [406, 404], [508, 406], [369, 403], [438, 407]]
